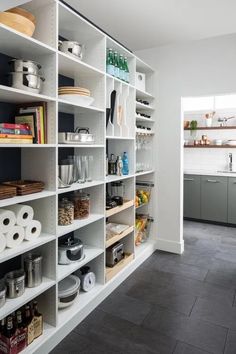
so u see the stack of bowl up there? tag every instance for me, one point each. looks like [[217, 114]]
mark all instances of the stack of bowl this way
[[25, 75], [19, 19]]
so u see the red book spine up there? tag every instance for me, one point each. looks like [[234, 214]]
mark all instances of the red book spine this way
[[15, 126]]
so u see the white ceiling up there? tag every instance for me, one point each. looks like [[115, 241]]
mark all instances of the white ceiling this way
[[150, 23]]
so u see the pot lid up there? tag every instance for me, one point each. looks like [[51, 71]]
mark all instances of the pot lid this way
[[70, 243], [68, 286]]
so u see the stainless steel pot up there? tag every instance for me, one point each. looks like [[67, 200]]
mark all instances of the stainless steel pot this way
[[71, 250], [26, 66], [80, 136], [71, 48], [27, 82], [2, 294], [33, 270], [15, 283]]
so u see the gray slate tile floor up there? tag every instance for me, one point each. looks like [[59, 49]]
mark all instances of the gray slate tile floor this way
[[170, 305]]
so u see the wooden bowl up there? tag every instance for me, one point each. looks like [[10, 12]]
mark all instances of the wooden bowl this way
[[23, 12], [186, 124], [18, 23]]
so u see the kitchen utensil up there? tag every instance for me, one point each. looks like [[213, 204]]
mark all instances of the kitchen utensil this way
[[117, 189], [70, 250], [17, 22], [68, 289], [119, 200], [87, 278], [114, 254], [23, 12], [15, 283], [2, 293], [77, 99], [27, 82], [33, 270], [71, 48], [113, 102], [108, 112], [26, 66], [65, 173]]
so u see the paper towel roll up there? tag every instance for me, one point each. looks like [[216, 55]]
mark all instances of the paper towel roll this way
[[15, 236], [3, 242], [33, 230], [7, 220], [24, 213]]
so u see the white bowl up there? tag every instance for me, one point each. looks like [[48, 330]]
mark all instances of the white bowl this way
[[78, 99], [231, 142]]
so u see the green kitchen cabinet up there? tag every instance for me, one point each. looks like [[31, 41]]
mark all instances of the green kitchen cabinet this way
[[232, 200], [214, 198], [192, 194]]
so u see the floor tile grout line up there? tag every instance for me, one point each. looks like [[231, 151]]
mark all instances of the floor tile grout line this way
[[193, 306], [234, 298], [226, 339], [177, 342], [206, 276]]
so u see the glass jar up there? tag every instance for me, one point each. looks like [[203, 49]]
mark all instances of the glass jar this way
[[65, 212], [81, 205]]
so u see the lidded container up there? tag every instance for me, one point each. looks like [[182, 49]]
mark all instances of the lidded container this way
[[65, 212], [81, 202], [33, 270], [15, 283], [2, 294], [67, 291]]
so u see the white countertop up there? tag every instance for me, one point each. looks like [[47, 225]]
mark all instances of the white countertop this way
[[210, 173]]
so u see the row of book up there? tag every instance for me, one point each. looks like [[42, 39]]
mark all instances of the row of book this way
[[30, 125]]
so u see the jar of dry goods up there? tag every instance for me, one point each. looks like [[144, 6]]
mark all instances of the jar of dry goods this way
[[65, 212], [81, 205]]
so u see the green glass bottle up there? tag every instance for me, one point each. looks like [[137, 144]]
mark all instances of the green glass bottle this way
[[116, 65], [121, 68], [110, 62], [126, 78]]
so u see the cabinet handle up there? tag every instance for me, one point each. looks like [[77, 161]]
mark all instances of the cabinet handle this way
[[189, 179], [212, 181]]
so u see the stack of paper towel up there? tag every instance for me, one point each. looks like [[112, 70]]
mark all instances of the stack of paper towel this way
[[16, 225]]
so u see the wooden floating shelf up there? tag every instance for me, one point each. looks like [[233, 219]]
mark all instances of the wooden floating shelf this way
[[210, 146], [111, 272], [213, 128], [127, 204], [116, 238]]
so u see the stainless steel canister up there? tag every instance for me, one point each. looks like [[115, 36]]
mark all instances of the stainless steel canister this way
[[33, 270], [2, 294], [15, 283]]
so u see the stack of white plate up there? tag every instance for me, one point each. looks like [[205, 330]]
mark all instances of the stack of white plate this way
[[77, 95]]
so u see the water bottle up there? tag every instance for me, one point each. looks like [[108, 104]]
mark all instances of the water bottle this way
[[125, 169]]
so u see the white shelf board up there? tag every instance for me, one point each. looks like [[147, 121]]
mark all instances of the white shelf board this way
[[112, 137], [143, 94], [18, 45], [13, 95], [25, 246], [144, 107], [72, 67], [90, 253], [12, 305], [25, 198], [144, 173], [144, 247], [83, 299], [118, 80], [48, 332], [143, 119], [27, 145], [113, 178], [81, 146], [77, 186], [72, 108], [77, 224]]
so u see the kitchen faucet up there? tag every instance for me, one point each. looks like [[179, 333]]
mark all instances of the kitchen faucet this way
[[230, 165]]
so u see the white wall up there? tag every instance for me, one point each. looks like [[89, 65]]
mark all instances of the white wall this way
[[198, 68]]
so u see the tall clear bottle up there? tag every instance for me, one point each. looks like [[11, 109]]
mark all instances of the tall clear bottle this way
[[125, 169], [126, 69], [110, 62]]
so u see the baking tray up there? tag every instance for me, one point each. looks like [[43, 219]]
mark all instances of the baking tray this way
[[25, 187]]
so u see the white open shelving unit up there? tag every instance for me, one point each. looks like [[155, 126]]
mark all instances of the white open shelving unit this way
[[39, 162]]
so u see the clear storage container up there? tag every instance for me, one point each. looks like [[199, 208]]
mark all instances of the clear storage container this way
[[81, 205], [65, 212]]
